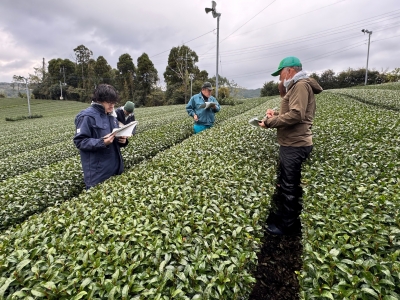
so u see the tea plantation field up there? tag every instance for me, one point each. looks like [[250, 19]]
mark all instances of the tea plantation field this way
[[186, 219]]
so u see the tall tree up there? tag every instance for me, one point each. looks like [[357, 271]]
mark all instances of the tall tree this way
[[147, 77], [102, 71], [82, 56], [269, 89], [60, 69], [126, 76], [181, 63], [328, 80], [19, 80]]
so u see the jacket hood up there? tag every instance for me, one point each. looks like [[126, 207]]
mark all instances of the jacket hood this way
[[311, 81], [314, 85]]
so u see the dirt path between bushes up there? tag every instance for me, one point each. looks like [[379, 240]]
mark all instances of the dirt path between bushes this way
[[278, 259]]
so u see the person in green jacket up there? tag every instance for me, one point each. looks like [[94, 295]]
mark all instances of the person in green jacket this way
[[293, 122]]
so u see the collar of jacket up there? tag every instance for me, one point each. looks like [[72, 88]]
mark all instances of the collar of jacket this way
[[204, 97], [297, 77], [100, 108]]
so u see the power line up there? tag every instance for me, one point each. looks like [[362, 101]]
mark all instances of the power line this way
[[327, 54], [250, 19], [279, 21], [242, 25], [185, 42], [311, 37], [391, 12]]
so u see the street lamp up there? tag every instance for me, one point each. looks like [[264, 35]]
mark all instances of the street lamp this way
[[27, 95], [369, 38], [215, 15]]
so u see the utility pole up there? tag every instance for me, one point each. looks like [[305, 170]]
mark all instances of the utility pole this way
[[215, 15], [369, 39], [186, 71], [44, 70], [216, 77], [61, 98], [191, 76], [184, 68], [63, 71]]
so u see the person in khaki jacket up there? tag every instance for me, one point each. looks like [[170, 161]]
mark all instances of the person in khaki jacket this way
[[293, 123]]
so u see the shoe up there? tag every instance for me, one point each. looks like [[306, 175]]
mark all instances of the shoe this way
[[272, 229]]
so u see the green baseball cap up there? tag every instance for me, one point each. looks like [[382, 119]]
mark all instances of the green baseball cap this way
[[289, 61]]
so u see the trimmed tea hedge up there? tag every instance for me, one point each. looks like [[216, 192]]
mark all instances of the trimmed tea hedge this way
[[26, 194], [351, 211], [184, 225]]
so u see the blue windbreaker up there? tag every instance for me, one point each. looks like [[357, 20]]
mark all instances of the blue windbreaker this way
[[206, 116], [99, 162]]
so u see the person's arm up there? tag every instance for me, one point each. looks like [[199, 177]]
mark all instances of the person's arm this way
[[217, 107], [297, 108], [84, 139], [190, 108]]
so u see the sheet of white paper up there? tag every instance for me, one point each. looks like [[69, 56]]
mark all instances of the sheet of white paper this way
[[207, 105], [126, 130]]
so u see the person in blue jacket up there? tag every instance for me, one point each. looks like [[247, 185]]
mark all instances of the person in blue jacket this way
[[203, 116], [100, 151]]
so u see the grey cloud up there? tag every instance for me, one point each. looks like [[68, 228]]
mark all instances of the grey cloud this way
[[52, 29]]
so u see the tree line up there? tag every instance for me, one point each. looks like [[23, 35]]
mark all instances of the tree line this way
[[345, 79], [76, 80]]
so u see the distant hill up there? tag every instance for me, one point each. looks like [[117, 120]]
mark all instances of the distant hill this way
[[245, 93], [8, 91]]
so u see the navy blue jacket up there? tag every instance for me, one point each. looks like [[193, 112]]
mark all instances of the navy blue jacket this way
[[206, 116], [99, 162]]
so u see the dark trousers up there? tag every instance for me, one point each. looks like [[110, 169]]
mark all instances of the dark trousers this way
[[287, 198]]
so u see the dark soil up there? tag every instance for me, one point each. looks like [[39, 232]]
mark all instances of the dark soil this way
[[278, 259]]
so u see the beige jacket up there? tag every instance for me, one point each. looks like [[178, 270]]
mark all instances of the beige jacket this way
[[296, 114]]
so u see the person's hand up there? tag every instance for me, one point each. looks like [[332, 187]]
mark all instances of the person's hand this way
[[261, 123], [270, 113], [122, 139], [195, 118], [108, 139]]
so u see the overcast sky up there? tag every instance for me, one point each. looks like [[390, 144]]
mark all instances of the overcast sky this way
[[254, 34]]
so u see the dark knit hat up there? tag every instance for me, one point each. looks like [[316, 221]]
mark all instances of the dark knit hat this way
[[129, 106]]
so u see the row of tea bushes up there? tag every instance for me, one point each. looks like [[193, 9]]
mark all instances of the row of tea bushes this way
[[383, 86], [42, 133], [184, 225], [351, 216], [53, 130], [26, 194], [41, 156], [389, 99]]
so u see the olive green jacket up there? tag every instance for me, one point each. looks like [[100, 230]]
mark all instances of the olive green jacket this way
[[296, 115]]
